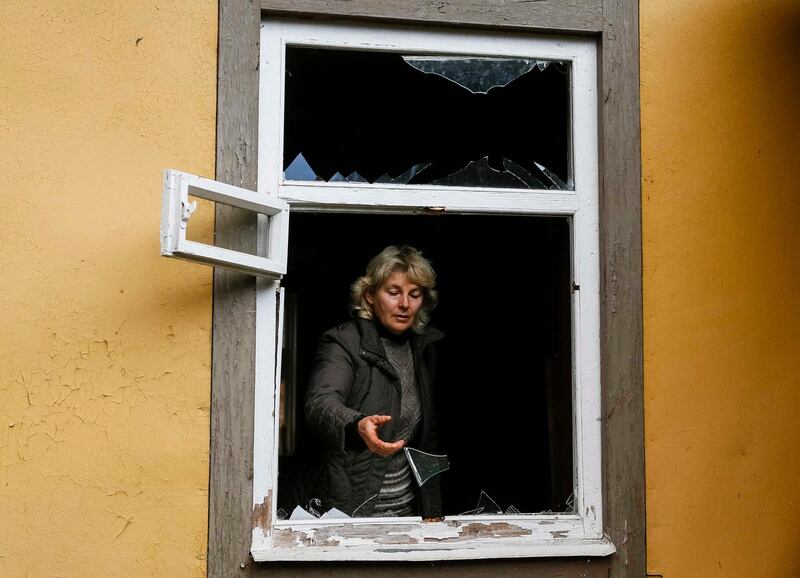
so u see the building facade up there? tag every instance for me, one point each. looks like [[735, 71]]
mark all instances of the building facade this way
[[128, 401]]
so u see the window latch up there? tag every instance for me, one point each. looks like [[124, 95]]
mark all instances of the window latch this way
[[187, 209], [434, 210]]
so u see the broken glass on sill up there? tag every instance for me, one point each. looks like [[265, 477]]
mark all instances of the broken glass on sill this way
[[486, 506], [333, 514], [571, 502], [300, 513], [364, 503], [312, 512], [383, 507]]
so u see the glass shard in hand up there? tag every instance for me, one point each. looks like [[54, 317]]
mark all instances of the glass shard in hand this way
[[425, 466]]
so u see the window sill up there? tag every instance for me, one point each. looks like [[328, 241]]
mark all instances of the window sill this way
[[407, 539]]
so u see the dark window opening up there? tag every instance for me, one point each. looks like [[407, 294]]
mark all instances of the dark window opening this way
[[504, 383], [381, 117]]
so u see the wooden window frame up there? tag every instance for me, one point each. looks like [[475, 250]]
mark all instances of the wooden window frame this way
[[458, 537], [232, 516]]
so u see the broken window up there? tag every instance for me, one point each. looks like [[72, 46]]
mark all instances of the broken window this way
[[515, 331], [365, 132], [384, 117]]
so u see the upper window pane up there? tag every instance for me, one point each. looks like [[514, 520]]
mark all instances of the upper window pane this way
[[383, 117]]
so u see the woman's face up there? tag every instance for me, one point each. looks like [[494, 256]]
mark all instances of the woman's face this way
[[396, 303]]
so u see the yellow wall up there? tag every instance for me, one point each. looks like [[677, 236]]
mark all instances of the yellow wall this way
[[104, 345], [720, 124]]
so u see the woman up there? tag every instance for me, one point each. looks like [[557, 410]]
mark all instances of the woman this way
[[370, 391]]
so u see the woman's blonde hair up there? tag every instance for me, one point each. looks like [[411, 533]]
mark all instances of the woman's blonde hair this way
[[394, 259]]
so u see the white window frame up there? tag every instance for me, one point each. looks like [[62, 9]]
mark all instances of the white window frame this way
[[457, 537], [177, 209]]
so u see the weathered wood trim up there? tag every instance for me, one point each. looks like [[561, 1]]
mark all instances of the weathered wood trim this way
[[534, 568], [234, 322], [230, 485], [621, 289], [562, 15]]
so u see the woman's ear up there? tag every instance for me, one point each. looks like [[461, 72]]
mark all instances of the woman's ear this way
[[369, 296]]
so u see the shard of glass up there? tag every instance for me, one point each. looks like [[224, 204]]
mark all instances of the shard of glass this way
[[299, 170], [300, 513], [523, 175], [477, 75], [480, 173], [354, 177], [425, 466], [410, 173], [557, 183], [486, 505]]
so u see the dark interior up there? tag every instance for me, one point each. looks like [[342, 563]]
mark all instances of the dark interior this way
[[374, 114], [504, 387]]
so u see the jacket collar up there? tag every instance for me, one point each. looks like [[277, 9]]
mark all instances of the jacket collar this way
[[371, 341]]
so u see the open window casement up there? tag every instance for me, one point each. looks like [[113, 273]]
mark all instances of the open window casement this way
[[303, 181], [177, 209]]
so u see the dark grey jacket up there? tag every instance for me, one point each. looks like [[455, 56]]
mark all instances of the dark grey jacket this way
[[353, 378]]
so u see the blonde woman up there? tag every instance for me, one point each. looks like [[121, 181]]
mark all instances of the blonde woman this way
[[370, 392]]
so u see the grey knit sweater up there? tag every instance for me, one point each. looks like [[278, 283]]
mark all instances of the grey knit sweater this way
[[396, 497]]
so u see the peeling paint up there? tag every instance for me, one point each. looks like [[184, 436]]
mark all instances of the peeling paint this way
[[291, 538], [403, 551], [262, 513], [475, 530], [396, 534], [494, 530], [334, 535]]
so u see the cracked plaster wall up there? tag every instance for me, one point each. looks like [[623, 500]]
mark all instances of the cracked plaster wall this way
[[720, 125], [105, 346]]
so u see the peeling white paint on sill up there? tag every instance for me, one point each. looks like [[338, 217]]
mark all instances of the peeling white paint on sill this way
[[422, 552], [409, 539]]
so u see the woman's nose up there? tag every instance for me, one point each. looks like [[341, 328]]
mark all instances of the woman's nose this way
[[403, 302]]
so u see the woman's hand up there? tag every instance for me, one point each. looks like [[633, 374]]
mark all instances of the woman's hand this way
[[368, 430]]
